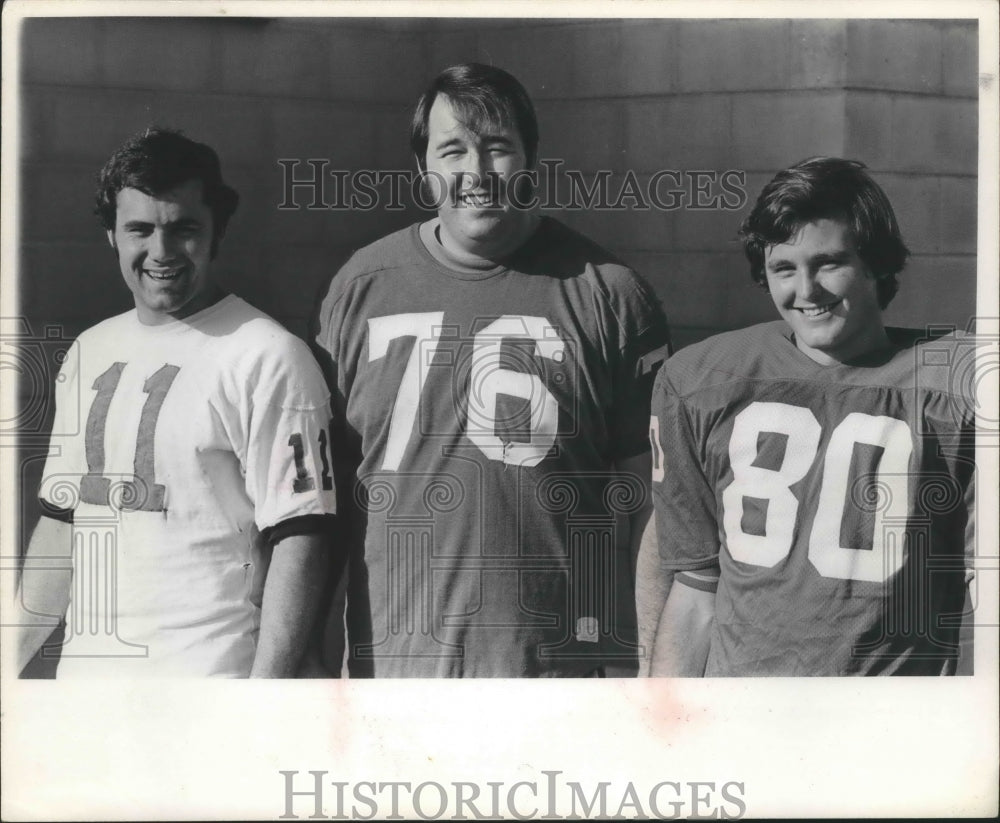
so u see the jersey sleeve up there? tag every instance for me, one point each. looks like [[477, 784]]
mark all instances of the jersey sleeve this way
[[643, 345], [66, 463], [328, 324], [288, 459], [684, 501], [323, 338], [331, 332]]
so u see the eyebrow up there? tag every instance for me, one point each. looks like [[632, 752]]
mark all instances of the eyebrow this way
[[775, 262], [819, 258], [184, 222], [481, 138], [496, 138], [831, 256], [451, 141]]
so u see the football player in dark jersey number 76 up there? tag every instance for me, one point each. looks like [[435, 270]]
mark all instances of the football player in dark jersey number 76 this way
[[491, 372]]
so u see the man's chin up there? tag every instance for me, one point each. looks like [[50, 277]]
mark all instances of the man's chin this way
[[831, 343], [482, 219], [167, 303], [482, 228]]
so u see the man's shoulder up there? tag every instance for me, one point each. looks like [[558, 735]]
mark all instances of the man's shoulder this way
[[575, 253], [256, 355], [930, 338], [934, 359], [110, 326], [247, 330], [562, 252], [395, 253], [389, 252], [723, 357]]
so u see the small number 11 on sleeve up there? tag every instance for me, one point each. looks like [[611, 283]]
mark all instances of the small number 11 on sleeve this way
[[303, 482]]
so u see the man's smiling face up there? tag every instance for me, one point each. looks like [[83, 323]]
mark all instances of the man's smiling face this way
[[164, 246], [470, 175], [825, 292]]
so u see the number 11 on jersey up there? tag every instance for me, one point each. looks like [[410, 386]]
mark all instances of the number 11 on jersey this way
[[303, 481], [142, 493]]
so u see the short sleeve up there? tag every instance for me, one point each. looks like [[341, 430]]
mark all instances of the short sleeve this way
[[684, 501], [326, 325], [289, 464], [644, 344], [332, 330]]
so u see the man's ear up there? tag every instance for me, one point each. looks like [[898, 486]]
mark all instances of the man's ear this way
[[111, 239]]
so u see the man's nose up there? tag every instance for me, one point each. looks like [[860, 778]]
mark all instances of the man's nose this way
[[807, 288], [160, 246], [476, 169]]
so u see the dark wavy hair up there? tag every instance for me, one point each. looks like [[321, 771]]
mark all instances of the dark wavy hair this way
[[158, 160], [831, 188], [484, 98]]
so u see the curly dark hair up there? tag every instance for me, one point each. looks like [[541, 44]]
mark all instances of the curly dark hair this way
[[158, 160]]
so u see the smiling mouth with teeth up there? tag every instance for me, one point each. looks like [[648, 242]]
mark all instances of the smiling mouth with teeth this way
[[163, 274], [817, 311], [477, 200]]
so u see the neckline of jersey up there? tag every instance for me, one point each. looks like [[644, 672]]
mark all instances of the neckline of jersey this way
[[172, 326], [449, 268], [871, 360]]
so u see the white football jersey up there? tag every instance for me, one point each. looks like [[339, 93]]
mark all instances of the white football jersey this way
[[176, 446]]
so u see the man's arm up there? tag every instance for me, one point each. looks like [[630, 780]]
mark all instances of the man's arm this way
[[639, 468], [652, 584], [326, 650], [966, 632], [292, 593], [683, 637], [635, 471], [43, 594]]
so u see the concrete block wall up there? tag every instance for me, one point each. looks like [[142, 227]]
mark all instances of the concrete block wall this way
[[754, 96], [257, 91], [637, 96], [914, 117]]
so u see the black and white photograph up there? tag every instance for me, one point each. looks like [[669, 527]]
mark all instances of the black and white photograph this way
[[394, 357]]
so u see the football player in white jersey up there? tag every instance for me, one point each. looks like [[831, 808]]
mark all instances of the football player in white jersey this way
[[187, 496], [814, 476], [491, 371]]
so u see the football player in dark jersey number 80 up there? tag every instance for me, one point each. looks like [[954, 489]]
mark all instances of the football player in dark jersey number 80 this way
[[814, 486]]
